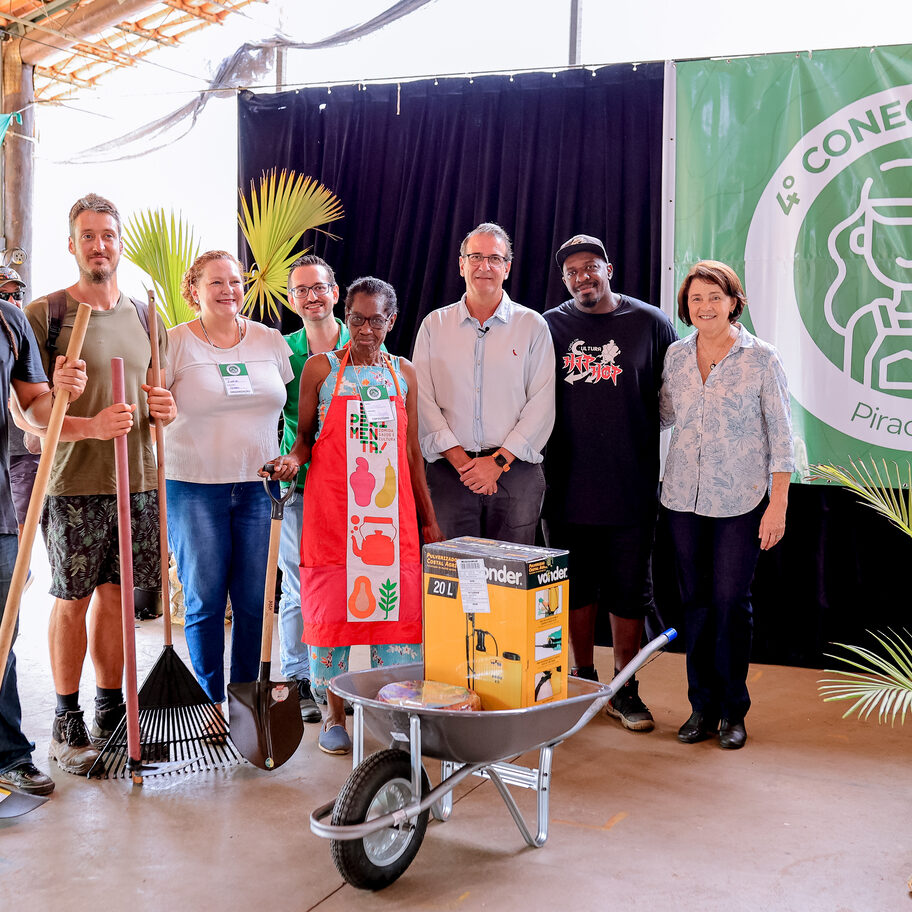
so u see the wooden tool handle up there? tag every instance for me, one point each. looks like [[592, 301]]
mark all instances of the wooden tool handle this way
[[125, 551], [30, 527], [272, 561], [162, 495]]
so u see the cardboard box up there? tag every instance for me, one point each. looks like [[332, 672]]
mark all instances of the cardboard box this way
[[495, 620]]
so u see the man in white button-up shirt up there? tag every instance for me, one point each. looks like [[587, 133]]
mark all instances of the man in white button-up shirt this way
[[485, 400]]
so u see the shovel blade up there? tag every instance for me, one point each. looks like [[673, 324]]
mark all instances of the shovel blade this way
[[14, 803], [265, 722]]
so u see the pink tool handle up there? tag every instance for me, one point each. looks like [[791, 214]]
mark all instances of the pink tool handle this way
[[125, 542]]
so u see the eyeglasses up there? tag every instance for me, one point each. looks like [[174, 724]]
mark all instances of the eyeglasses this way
[[495, 260], [356, 319], [320, 289], [590, 270], [12, 295]]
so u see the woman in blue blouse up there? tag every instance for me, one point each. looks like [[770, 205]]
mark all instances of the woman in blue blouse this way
[[725, 489]]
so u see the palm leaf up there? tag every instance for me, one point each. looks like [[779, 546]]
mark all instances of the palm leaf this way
[[887, 491], [163, 246], [279, 211], [884, 683]]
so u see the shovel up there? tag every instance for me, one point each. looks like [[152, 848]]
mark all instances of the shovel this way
[[14, 803], [265, 716]]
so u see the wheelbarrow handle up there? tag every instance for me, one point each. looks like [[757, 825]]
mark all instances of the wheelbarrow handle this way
[[278, 503]]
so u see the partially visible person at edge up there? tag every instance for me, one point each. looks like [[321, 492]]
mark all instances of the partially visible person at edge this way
[[79, 519], [22, 374], [228, 376], [603, 475], [725, 489], [24, 445], [485, 367], [360, 557]]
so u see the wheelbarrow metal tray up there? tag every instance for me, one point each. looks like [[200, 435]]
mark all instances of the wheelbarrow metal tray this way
[[466, 737]]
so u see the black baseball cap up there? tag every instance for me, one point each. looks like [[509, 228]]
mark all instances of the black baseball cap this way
[[580, 243]]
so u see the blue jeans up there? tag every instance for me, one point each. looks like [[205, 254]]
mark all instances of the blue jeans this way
[[715, 559], [219, 534], [293, 652], [15, 748]]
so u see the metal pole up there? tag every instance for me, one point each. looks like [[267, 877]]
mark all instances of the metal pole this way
[[18, 155], [576, 16], [279, 68]]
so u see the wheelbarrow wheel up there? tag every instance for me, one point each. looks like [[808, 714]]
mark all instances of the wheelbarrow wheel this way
[[380, 785]]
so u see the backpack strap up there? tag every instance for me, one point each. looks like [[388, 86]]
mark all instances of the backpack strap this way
[[142, 311], [57, 304]]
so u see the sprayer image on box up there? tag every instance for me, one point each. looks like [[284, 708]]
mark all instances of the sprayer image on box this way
[[548, 642], [548, 602], [487, 668]]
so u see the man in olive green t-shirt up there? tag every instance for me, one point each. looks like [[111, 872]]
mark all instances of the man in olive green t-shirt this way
[[79, 519]]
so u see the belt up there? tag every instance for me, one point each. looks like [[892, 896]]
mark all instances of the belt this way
[[476, 453]]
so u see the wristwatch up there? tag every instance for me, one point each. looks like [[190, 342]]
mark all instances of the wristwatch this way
[[501, 461]]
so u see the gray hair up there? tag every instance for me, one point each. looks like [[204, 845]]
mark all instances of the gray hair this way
[[491, 228]]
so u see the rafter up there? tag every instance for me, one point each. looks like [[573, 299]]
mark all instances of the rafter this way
[[151, 34], [59, 76], [183, 7], [78, 47]]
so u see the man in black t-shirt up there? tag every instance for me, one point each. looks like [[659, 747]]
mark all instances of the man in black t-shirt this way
[[602, 461]]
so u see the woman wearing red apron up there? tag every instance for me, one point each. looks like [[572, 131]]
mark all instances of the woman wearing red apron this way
[[360, 550]]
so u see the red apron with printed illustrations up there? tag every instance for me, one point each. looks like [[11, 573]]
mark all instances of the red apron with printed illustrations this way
[[360, 556]]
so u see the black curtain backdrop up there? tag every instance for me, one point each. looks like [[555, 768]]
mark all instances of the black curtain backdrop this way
[[418, 165]]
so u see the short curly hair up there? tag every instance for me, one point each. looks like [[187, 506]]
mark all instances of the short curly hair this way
[[377, 288], [192, 275], [717, 274]]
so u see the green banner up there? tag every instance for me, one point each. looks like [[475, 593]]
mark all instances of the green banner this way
[[796, 170]]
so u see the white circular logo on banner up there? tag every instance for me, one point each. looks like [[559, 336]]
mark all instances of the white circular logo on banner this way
[[828, 265]]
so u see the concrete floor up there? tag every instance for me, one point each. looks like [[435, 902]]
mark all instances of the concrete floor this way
[[813, 814]]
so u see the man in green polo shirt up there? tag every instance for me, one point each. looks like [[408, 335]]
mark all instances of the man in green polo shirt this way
[[312, 293]]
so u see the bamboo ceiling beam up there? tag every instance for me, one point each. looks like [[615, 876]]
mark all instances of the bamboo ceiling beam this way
[[151, 34], [88, 20], [59, 76], [183, 7]]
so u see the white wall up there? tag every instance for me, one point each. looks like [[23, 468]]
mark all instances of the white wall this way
[[197, 174]]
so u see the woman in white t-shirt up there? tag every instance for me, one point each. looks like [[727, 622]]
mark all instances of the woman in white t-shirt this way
[[227, 375]]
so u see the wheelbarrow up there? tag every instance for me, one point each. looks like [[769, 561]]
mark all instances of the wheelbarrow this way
[[379, 819]]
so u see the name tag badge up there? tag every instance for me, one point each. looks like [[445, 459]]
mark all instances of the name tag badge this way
[[376, 401], [236, 379]]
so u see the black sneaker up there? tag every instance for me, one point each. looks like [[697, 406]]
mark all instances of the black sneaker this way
[[630, 709], [70, 745], [27, 778], [586, 672], [147, 604], [310, 712], [106, 721]]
